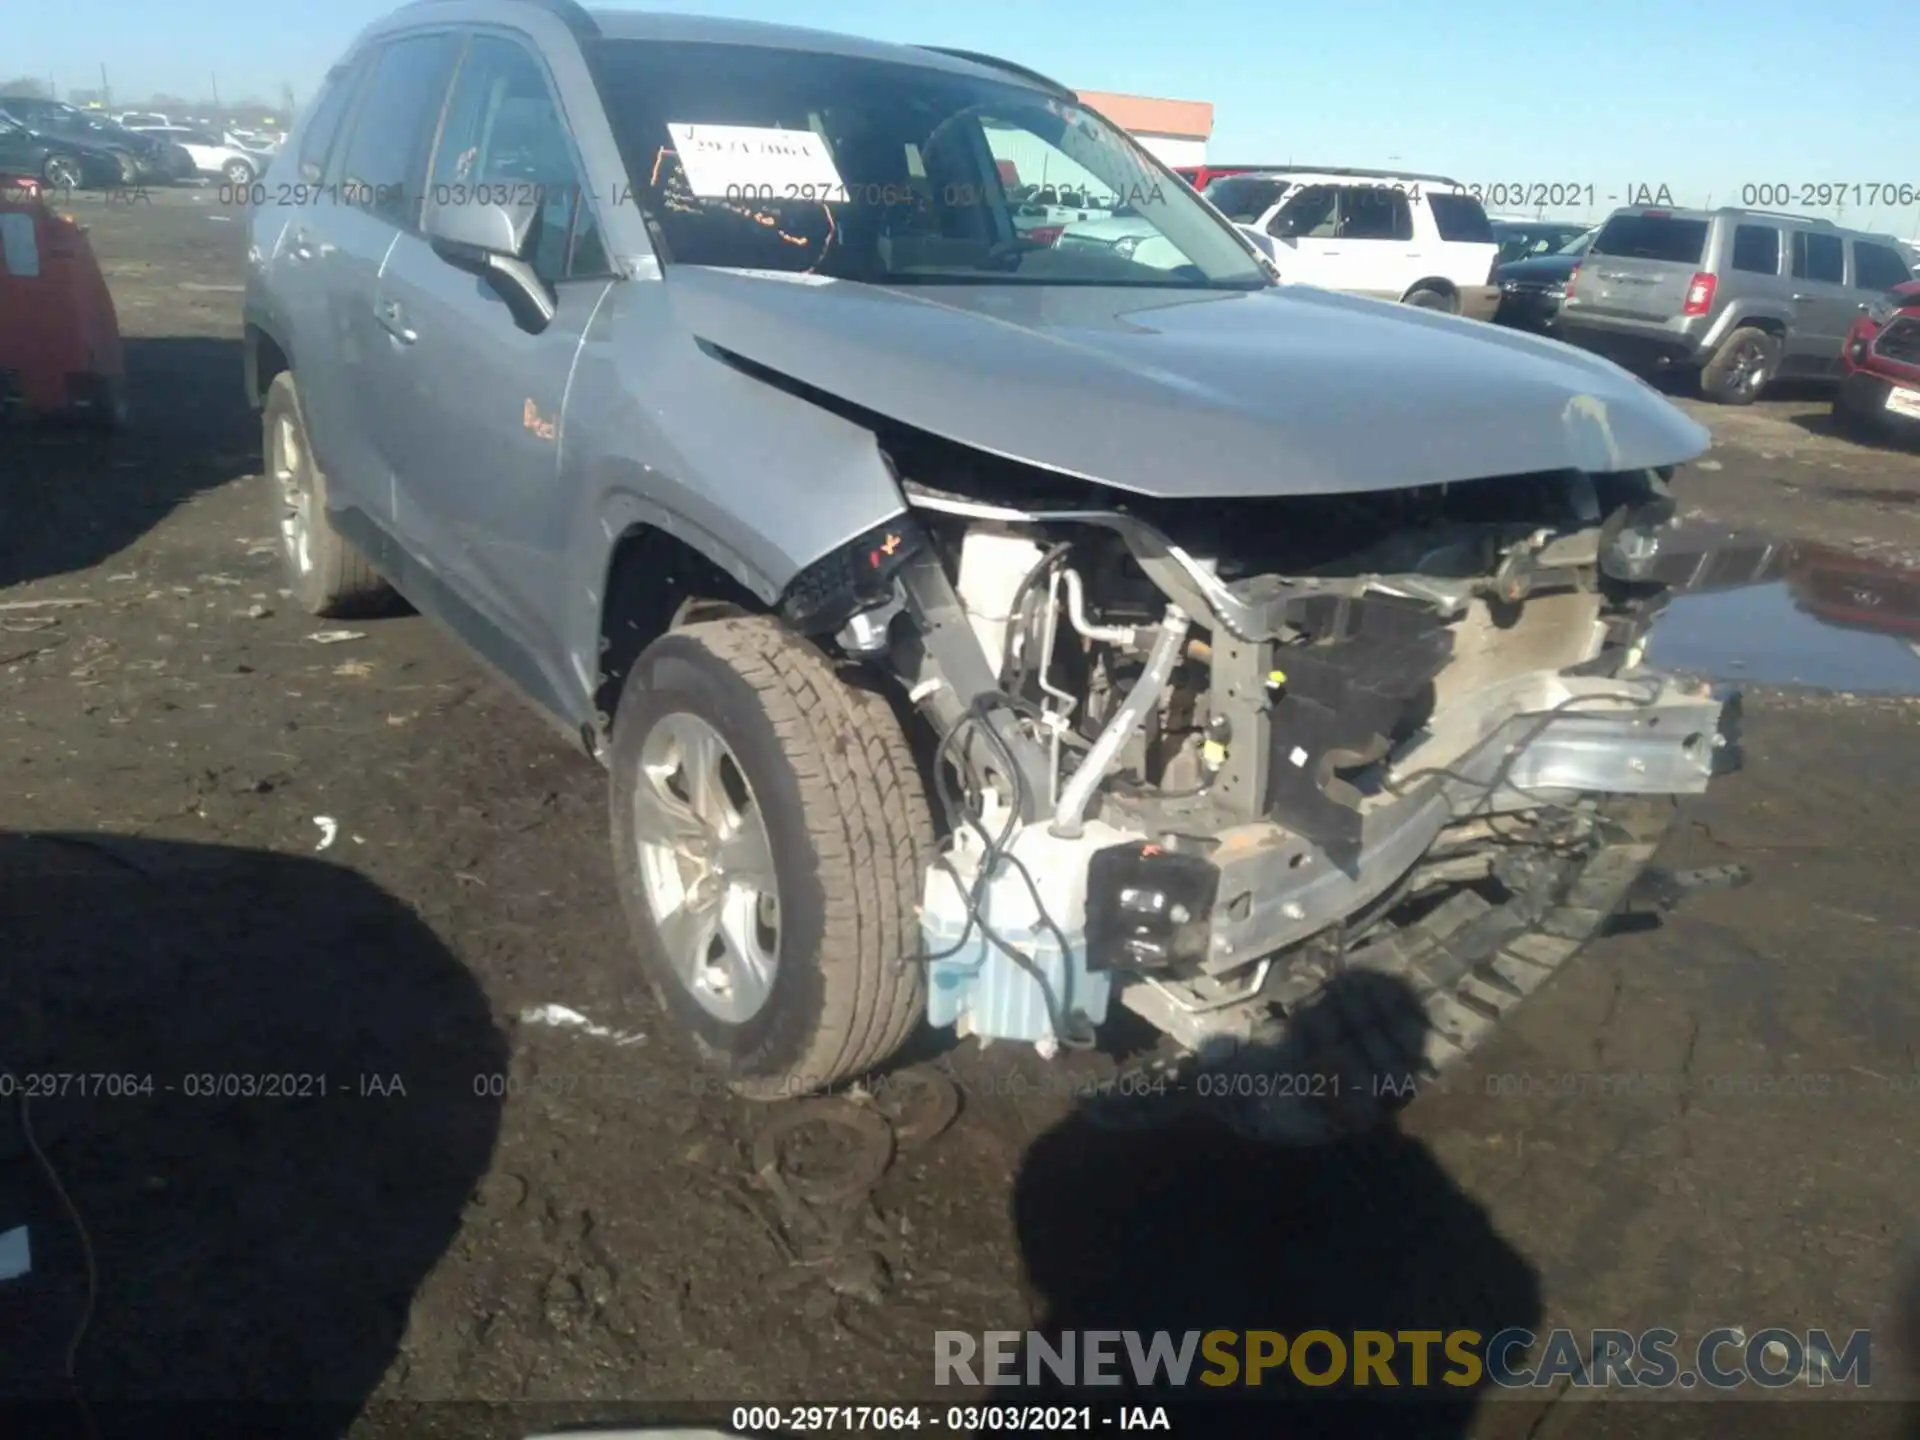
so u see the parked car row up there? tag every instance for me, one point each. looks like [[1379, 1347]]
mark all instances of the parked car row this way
[[1421, 239], [71, 148], [214, 153], [1738, 297]]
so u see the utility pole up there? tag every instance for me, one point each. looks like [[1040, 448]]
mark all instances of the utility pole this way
[[106, 92], [216, 95]]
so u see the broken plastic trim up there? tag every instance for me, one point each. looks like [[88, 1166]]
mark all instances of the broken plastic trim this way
[[854, 578]]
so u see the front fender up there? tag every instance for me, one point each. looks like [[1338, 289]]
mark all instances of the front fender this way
[[661, 432]]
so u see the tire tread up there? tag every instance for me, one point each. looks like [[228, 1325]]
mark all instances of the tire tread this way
[[869, 823]]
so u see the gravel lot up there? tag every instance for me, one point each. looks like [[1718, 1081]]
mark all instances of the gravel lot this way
[[590, 1227]]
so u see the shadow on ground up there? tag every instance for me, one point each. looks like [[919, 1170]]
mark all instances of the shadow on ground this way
[[1209, 1217], [1829, 425], [256, 1077], [73, 498]]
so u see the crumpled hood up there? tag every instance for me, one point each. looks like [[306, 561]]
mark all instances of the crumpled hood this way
[[1177, 393]]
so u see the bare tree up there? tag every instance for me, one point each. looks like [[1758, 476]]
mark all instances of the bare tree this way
[[24, 87]]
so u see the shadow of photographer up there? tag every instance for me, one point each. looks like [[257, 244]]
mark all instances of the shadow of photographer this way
[[255, 1077], [1277, 1192]]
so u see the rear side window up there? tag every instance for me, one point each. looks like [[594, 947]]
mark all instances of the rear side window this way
[[1821, 258], [1653, 237], [1877, 267], [1374, 212], [1460, 218], [324, 124], [394, 124], [1756, 249]]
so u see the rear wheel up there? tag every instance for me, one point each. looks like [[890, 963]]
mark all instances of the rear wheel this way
[[1741, 367], [769, 829], [237, 172], [328, 576], [1427, 298]]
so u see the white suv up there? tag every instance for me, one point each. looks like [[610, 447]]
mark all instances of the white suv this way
[[1422, 239]]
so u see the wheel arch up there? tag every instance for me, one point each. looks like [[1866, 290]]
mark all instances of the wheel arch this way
[[1437, 283], [263, 355], [656, 578]]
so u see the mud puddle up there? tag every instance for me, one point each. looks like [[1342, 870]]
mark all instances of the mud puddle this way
[[1832, 621]]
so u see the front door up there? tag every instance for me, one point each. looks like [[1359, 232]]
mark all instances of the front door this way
[[1306, 238], [472, 402]]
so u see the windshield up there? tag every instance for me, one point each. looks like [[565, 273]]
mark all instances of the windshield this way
[[746, 157], [1579, 244]]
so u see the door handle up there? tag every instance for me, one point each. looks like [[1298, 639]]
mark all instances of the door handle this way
[[1803, 297], [394, 321], [300, 245]]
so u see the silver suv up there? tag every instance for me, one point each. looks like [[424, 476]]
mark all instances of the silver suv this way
[[1741, 296], [698, 375]]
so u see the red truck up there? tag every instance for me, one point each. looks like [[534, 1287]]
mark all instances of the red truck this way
[[1880, 366], [1198, 175]]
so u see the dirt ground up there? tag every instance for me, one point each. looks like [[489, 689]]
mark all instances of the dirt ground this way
[[351, 873]]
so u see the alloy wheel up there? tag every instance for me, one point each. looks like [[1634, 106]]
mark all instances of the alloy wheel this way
[[706, 867]]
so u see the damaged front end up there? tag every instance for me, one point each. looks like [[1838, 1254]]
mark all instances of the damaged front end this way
[[1199, 757]]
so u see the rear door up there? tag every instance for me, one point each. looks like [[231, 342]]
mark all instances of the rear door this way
[[1376, 230], [1823, 305], [1640, 265], [1464, 247], [296, 238], [380, 176]]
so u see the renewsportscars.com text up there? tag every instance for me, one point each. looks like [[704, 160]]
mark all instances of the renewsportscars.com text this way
[[1726, 1358]]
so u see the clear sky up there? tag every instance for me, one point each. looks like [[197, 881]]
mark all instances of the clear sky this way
[[1706, 99]]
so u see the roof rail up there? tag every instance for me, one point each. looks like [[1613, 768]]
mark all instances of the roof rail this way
[[994, 62], [1817, 221], [1358, 174], [570, 13]]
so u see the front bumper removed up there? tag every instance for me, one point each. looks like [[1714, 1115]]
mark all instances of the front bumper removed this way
[[1562, 737]]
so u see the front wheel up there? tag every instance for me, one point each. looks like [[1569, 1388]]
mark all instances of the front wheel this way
[[237, 172], [769, 829]]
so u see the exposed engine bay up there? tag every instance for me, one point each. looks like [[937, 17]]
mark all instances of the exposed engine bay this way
[[1199, 756]]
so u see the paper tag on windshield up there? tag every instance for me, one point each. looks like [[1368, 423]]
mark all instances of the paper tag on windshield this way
[[749, 162]]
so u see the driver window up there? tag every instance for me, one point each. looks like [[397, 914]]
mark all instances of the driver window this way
[[1309, 215], [505, 143]]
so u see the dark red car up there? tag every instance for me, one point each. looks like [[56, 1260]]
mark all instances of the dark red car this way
[[1880, 365]]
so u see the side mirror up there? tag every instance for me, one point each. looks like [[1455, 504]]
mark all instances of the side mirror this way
[[489, 240]]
